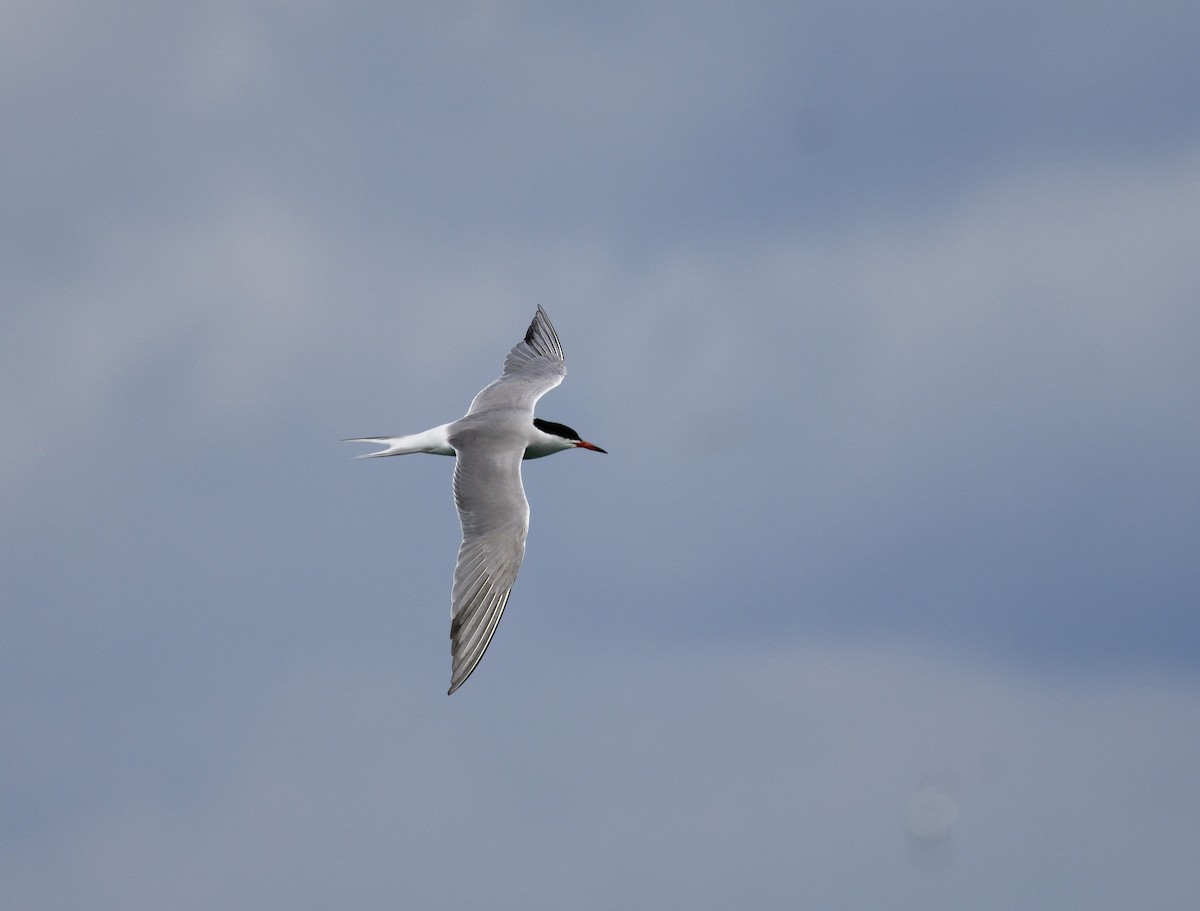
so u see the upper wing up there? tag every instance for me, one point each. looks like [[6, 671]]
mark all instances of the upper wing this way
[[495, 519], [533, 367]]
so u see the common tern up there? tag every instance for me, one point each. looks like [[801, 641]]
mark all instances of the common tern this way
[[489, 442]]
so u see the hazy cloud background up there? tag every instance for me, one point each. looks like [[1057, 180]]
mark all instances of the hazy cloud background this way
[[886, 596]]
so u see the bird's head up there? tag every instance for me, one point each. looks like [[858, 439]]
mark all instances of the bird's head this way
[[563, 437]]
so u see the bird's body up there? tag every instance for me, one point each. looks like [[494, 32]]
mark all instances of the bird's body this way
[[489, 442]]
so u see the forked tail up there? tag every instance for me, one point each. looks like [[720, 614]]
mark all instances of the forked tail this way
[[435, 441]]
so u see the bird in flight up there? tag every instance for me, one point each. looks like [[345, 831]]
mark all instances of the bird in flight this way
[[489, 442]]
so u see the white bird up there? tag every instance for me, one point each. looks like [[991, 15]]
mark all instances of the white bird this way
[[497, 432]]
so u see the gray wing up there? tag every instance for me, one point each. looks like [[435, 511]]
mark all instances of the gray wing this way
[[495, 519], [533, 367]]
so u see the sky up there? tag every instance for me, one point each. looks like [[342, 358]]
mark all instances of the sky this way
[[886, 594]]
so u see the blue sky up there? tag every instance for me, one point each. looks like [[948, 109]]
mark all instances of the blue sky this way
[[886, 315]]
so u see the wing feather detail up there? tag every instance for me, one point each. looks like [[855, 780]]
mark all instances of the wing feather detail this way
[[495, 521], [533, 367]]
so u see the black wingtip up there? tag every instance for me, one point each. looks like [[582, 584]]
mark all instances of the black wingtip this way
[[529, 333]]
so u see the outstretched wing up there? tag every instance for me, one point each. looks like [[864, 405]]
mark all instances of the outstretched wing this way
[[495, 520], [533, 367]]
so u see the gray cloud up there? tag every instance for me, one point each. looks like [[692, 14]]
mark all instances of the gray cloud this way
[[784, 773]]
